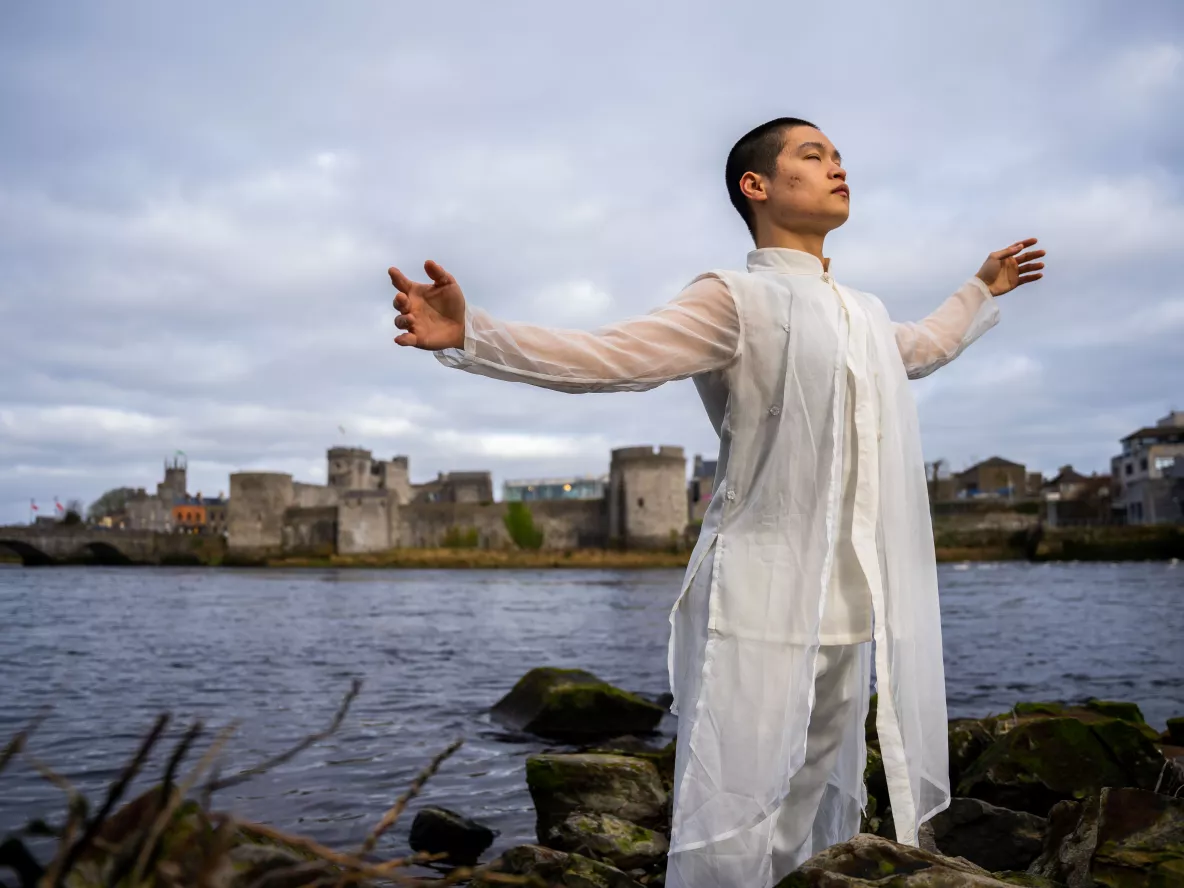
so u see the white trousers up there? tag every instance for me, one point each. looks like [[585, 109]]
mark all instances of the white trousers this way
[[816, 814]]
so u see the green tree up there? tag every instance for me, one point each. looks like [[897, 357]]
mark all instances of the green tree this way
[[112, 502], [520, 525]]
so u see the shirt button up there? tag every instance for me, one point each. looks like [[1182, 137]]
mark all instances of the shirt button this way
[[774, 410], [785, 327], [826, 277], [731, 495]]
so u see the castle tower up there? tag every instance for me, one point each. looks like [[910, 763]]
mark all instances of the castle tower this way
[[350, 469], [176, 483], [396, 478], [255, 510], [647, 495]]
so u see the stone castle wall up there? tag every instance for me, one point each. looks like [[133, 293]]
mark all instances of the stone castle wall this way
[[364, 521], [270, 513], [565, 524], [310, 530], [313, 496], [647, 496], [255, 512]]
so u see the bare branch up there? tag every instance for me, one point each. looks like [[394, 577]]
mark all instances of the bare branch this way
[[392, 815], [243, 776]]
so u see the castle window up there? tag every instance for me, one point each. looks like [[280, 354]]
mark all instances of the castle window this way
[[641, 502]]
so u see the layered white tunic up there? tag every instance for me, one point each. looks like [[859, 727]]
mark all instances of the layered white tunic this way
[[820, 519]]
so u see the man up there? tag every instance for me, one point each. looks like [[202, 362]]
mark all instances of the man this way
[[819, 537]]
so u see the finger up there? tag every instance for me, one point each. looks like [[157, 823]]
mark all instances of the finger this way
[[402, 301], [1014, 248], [437, 273], [1007, 252], [402, 283], [405, 322], [1030, 267], [1028, 278], [1029, 256], [406, 339]]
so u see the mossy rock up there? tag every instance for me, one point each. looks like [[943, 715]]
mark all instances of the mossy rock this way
[[555, 869], [874, 861], [571, 704], [1091, 712], [1030, 708], [1142, 760], [1026, 880], [875, 780], [623, 786], [662, 759], [1128, 712], [183, 844], [1119, 838], [621, 843], [968, 739], [1041, 762], [1175, 732]]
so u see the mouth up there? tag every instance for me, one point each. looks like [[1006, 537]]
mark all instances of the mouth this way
[[843, 190]]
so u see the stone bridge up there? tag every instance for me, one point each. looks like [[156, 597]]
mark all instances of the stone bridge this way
[[85, 544]]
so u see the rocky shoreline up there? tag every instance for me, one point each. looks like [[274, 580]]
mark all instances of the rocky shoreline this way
[[1049, 794]]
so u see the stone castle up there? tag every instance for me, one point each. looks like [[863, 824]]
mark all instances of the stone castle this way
[[370, 505]]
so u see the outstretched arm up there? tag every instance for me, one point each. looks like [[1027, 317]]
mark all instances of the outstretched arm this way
[[969, 313], [696, 332]]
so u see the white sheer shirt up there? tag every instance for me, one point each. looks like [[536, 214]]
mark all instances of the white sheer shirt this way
[[697, 332]]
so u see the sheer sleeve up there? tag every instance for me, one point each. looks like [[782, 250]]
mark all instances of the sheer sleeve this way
[[960, 320], [697, 331]]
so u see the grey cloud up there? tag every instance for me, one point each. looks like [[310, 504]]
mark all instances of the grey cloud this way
[[197, 208]]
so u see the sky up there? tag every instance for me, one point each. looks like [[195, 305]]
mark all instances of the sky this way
[[198, 205]]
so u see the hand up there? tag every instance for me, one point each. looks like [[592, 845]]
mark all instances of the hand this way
[[432, 314], [1004, 270]]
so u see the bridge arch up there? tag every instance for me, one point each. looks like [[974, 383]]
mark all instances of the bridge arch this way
[[99, 552], [30, 555]]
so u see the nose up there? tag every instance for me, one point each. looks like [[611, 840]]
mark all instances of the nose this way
[[837, 172]]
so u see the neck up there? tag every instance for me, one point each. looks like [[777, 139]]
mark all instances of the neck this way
[[802, 241]]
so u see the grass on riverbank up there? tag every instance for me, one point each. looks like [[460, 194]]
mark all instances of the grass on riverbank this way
[[495, 558]]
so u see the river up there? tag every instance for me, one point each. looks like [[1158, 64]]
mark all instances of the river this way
[[276, 651]]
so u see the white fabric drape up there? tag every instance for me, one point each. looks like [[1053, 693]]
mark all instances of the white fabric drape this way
[[769, 354]]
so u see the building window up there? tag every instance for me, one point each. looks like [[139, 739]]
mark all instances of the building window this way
[[1163, 463], [1143, 464], [1130, 468], [641, 502]]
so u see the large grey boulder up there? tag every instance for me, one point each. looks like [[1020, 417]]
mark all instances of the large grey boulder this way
[[1043, 761], [993, 838], [625, 787], [1119, 837], [622, 843], [573, 705], [556, 869], [874, 861]]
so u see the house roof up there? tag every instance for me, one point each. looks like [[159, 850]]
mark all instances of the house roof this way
[[1158, 432], [993, 462]]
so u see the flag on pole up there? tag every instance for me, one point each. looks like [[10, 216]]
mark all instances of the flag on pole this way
[[58, 505], [341, 429], [33, 505]]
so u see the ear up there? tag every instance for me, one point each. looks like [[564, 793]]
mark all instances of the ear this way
[[752, 186]]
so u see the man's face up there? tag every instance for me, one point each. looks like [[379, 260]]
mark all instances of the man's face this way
[[809, 190]]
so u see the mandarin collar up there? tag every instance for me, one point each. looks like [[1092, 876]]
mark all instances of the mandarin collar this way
[[786, 261]]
